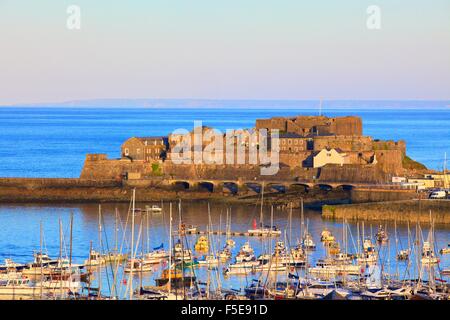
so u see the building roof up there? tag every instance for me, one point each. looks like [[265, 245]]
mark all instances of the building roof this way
[[290, 135]]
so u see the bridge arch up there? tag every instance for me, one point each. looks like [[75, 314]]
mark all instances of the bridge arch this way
[[345, 187], [206, 186], [230, 187], [278, 187], [181, 185], [254, 186], [324, 186], [303, 187]]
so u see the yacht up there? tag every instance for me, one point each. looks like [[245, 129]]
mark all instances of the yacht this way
[[264, 231], [326, 236], [428, 256], [308, 242], [12, 266], [153, 208]]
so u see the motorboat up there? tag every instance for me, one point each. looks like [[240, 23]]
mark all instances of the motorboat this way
[[246, 253], [209, 261], [326, 236], [264, 231], [138, 265], [230, 243], [177, 279], [225, 254], [308, 242], [403, 255], [180, 253], [153, 208], [445, 250], [12, 266], [42, 260], [95, 259], [202, 244], [155, 257]]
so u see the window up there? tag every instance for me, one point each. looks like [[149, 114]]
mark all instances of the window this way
[[127, 151]]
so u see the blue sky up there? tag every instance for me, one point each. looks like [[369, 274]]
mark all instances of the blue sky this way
[[247, 49]]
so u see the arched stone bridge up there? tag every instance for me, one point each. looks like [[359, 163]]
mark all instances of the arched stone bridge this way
[[234, 187]]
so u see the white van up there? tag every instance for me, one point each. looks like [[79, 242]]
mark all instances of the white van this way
[[438, 195]]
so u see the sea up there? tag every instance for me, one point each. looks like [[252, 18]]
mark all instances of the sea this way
[[52, 142]]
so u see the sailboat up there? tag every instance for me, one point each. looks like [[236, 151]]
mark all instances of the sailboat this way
[[445, 250], [369, 254], [156, 256], [428, 256], [263, 230], [382, 235], [308, 242], [95, 259]]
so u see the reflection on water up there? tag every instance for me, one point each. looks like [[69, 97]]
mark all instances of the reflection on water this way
[[20, 235]]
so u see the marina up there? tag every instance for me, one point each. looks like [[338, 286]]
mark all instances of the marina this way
[[312, 258]]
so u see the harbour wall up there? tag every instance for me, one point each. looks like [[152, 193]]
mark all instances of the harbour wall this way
[[91, 190], [401, 211], [85, 190], [363, 195]]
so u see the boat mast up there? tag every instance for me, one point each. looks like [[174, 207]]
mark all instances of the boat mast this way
[[302, 220], [60, 255], [290, 224], [100, 249], [261, 215], [116, 230], [70, 245], [170, 247], [130, 277], [148, 233], [396, 250], [40, 260]]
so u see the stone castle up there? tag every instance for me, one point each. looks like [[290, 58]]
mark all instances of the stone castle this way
[[311, 148]]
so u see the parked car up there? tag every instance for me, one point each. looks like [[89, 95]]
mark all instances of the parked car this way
[[441, 194]]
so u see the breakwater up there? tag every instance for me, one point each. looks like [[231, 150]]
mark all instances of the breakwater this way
[[87, 190], [45, 190], [401, 211]]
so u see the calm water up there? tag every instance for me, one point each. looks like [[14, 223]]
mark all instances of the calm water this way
[[52, 142], [20, 235]]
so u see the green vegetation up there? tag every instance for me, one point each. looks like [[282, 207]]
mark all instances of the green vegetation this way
[[156, 169], [410, 164]]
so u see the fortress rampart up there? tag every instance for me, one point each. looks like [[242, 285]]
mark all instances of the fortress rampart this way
[[310, 149]]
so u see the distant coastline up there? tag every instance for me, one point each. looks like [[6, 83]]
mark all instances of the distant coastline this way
[[242, 104]]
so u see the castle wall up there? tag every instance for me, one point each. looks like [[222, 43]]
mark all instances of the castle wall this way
[[353, 173], [344, 142], [390, 145]]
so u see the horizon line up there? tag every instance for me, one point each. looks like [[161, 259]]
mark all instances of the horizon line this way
[[203, 103]]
